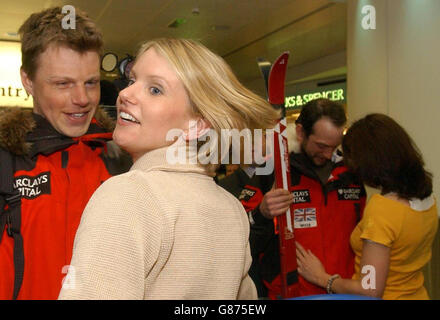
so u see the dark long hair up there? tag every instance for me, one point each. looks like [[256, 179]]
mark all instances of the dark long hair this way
[[384, 156]]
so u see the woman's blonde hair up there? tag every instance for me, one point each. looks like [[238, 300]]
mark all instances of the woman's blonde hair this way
[[213, 89]]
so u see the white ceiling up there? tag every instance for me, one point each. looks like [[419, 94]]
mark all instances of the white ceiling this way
[[238, 30]]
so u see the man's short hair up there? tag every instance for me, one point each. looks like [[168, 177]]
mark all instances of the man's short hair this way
[[45, 28], [320, 108]]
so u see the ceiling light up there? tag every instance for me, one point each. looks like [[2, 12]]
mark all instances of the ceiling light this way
[[176, 23]]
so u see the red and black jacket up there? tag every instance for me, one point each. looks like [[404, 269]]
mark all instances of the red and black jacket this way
[[324, 217], [250, 191], [55, 176]]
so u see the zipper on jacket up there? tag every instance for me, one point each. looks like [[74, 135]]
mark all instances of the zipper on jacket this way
[[64, 162], [64, 159], [324, 190]]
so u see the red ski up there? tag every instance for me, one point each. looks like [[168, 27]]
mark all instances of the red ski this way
[[285, 225]]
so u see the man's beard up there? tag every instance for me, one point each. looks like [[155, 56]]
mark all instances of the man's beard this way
[[310, 158]]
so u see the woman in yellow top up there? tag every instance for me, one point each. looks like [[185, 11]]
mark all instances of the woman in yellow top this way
[[393, 241]]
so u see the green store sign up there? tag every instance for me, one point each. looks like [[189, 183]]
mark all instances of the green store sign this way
[[296, 102]]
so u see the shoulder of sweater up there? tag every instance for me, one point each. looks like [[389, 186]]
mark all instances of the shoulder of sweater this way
[[123, 201], [236, 203], [132, 177], [150, 185], [126, 190]]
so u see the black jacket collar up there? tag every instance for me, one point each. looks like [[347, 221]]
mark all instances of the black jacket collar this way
[[46, 140], [24, 133]]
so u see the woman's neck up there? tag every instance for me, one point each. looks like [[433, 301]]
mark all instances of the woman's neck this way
[[394, 196]]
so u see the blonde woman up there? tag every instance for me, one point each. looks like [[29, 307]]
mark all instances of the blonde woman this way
[[165, 230]]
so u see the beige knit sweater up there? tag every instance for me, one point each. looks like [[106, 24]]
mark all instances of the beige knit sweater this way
[[161, 231]]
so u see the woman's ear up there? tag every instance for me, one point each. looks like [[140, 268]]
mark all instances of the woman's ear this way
[[197, 128]]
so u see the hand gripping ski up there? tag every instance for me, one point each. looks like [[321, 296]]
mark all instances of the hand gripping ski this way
[[285, 226]]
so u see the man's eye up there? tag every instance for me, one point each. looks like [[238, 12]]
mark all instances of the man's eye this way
[[155, 91], [130, 82], [92, 83]]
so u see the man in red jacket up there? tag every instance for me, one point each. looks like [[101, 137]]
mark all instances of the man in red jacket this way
[[328, 199], [328, 202], [57, 151]]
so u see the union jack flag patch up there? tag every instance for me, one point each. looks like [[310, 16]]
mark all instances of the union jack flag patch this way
[[305, 218]]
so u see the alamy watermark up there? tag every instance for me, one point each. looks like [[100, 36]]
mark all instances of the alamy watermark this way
[[69, 20], [369, 280], [369, 20], [230, 147], [69, 281]]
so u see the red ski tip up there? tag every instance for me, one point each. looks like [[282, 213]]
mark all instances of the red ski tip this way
[[277, 77]]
